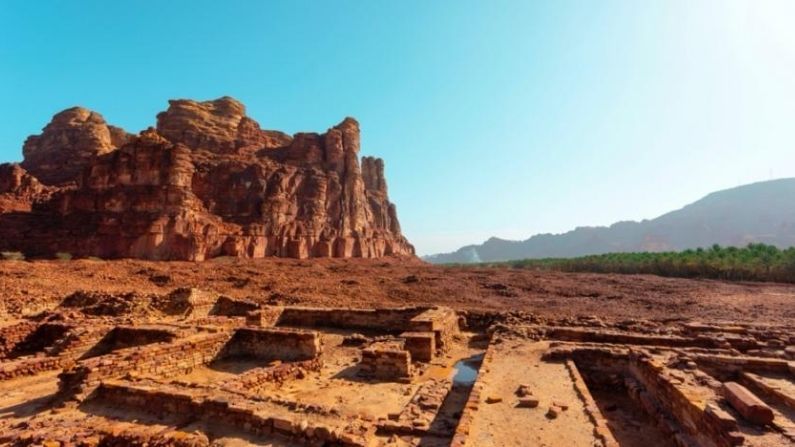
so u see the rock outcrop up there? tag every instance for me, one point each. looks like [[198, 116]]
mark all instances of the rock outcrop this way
[[218, 126], [68, 143], [19, 189], [206, 182]]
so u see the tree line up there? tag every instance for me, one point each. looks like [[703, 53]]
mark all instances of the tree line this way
[[755, 262]]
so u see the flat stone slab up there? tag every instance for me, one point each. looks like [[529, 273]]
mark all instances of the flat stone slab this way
[[747, 404]]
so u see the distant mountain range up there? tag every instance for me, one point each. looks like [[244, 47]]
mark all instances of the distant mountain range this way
[[759, 212]]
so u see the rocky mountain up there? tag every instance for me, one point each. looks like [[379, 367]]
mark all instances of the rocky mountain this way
[[760, 212], [206, 181]]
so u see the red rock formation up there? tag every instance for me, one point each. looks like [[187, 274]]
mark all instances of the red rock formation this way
[[68, 143], [209, 182], [18, 189], [219, 126]]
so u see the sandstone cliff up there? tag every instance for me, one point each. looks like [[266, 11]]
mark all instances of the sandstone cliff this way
[[206, 182], [68, 143], [19, 189]]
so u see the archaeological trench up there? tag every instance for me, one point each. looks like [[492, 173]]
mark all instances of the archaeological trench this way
[[194, 367]]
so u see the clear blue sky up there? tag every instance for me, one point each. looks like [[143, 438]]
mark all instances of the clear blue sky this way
[[502, 118]]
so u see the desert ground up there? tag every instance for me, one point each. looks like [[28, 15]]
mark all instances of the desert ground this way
[[388, 352], [37, 285]]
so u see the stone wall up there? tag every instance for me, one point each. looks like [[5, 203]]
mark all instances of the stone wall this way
[[59, 346], [417, 416], [241, 414], [386, 361], [703, 426], [588, 335], [28, 366], [251, 381], [122, 337], [601, 430], [162, 359], [11, 335], [421, 345], [233, 307], [45, 336], [475, 400], [273, 344], [442, 321], [189, 302], [734, 364], [394, 320]]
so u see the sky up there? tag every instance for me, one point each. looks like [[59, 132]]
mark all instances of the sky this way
[[494, 118]]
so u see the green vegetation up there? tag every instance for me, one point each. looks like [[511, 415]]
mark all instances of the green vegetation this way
[[756, 262]]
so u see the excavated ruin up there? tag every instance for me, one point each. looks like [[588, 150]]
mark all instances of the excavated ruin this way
[[192, 367], [205, 182]]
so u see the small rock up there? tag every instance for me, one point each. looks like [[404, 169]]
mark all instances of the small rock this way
[[527, 402], [552, 413], [561, 405], [493, 400], [523, 391]]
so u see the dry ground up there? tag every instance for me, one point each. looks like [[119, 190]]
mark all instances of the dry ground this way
[[31, 286]]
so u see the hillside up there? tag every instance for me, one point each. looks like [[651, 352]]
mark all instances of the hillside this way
[[759, 212]]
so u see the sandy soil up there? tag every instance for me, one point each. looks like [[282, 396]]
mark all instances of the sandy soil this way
[[504, 424], [33, 286], [220, 370], [26, 395]]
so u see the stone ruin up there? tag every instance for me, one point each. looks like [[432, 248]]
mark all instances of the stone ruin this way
[[191, 368]]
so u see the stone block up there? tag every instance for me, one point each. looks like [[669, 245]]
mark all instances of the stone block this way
[[421, 345], [747, 404]]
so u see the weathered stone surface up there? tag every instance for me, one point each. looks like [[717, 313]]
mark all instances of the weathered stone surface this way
[[207, 182], [220, 125], [68, 143], [747, 404], [19, 189]]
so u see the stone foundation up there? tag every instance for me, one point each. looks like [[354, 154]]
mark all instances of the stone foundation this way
[[273, 344], [386, 361], [162, 359], [13, 334], [239, 413], [442, 321], [383, 320], [421, 345]]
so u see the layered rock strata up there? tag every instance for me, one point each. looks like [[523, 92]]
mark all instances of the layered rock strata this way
[[206, 182]]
